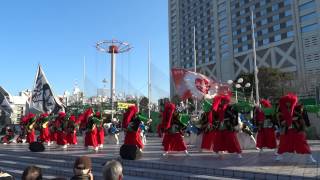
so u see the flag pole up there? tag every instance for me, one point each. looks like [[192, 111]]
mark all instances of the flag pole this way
[[195, 60], [149, 80], [84, 78], [255, 61]]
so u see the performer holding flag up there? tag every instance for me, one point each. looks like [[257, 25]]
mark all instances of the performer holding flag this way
[[292, 121]]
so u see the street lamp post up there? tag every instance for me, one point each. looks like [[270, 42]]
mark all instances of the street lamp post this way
[[239, 85]]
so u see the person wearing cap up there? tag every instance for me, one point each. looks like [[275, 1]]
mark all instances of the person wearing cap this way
[[82, 169], [112, 170]]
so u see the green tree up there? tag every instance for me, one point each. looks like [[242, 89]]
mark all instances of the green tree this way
[[272, 83], [143, 104]]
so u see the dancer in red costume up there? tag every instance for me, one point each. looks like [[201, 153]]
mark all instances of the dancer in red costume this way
[[225, 121], [54, 125], [43, 121], [173, 139], [208, 133], [8, 136], [130, 124], [100, 129], [61, 122], [30, 125], [265, 121], [72, 130], [292, 138], [92, 132]]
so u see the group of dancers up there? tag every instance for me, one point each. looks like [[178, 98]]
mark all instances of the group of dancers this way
[[219, 127]]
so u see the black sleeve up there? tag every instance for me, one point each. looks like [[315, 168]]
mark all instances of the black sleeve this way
[[306, 118]]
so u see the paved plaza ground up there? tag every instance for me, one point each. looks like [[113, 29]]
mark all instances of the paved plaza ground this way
[[199, 165]]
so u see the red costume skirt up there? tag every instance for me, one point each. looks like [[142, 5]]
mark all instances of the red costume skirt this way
[[5, 139], [91, 138], [294, 141], [100, 137], [225, 140], [30, 137], [62, 138], [133, 138], [45, 135], [54, 136], [72, 137], [173, 142], [266, 138], [207, 140]]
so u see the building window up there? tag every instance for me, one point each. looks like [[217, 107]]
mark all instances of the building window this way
[[245, 47], [264, 31], [234, 33], [290, 34], [263, 12], [275, 7], [288, 13], [264, 21], [309, 28], [265, 41], [277, 37], [276, 27], [275, 17], [235, 41], [287, 2], [289, 23], [243, 29], [244, 38], [242, 12], [309, 16], [262, 2], [307, 5]]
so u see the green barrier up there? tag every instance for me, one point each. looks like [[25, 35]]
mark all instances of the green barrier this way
[[312, 108], [243, 106], [268, 111]]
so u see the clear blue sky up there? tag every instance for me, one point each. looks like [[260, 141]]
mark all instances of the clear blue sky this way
[[58, 34]]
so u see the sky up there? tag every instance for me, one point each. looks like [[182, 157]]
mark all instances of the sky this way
[[60, 34]]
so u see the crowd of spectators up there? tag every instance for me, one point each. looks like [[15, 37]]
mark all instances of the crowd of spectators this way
[[82, 170]]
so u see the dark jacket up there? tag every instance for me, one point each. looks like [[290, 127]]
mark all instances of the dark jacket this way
[[81, 177]]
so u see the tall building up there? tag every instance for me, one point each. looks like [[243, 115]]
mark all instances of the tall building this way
[[286, 33]]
